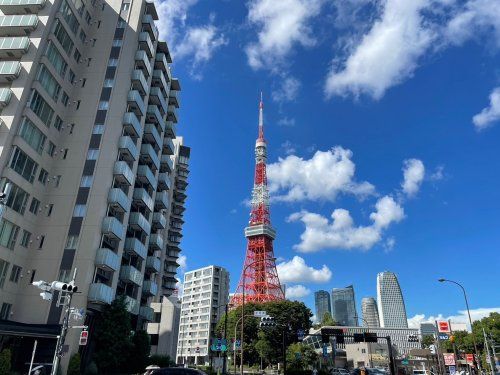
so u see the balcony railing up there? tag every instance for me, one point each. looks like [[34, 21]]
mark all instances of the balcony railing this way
[[160, 81], [161, 200], [9, 7], [14, 47], [156, 97], [118, 200], [155, 241], [173, 98], [172, 114], [142, 198], [136, 103], [162, 64], [146, 44], [147, 313], [170, 129], [148, 25], [5, 95], [166, 163], [128, 148], [9, 70], [101, 293], [112, 227], [131, 124], [151, 135], [159, 221], [123, 173], [148, 154], [153, 264], [164, 181], [132, 305], [130, 274], [16, 25], [145, 175], [134, 246], [139, 82], [153, 115], [168, 146], [138, 222], [142, 62], [107, 259], [149, 287]]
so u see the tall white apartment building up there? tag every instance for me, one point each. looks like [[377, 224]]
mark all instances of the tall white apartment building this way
[[391, 306], [88, 142], [206, 293]]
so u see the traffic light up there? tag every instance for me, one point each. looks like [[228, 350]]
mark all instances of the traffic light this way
[[452, 339], [267, 321], [412, 338], [359, 337], [84, 335], [370, 337], [64, 287]]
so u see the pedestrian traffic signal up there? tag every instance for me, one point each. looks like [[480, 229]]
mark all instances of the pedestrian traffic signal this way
[[267, 321], [371, 337], [84, 335]]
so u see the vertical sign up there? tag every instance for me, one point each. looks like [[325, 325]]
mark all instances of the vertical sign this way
[[443, 326]]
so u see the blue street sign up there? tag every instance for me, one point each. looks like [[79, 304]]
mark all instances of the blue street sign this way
[[452, 369], [444, 336], [300, 334], [325, 351], [404, 362]]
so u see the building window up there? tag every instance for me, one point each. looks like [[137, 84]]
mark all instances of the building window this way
[[8, 234], [103, 105], [63, 37], [17, 199], [15, 273], [77, 55], [25, 239], [72, 242], [86, 181], [4, 267], [5, 311], [92, 154], [82, 36], [23, 164], [88, 18], [113, 62], [32, 135], [56, 59], [109, 82], [34, 206], [117, 42], [51, 149], [64, 276], [43, 176], [79, 6], [50, 209], [65, 153], [79, 210], [65, 99], [69, 17], [41, 108], [42, 240], [125, 6], [48, 82], [121, 23], [32, 278], [98, 129], [71, 76], [57, 180], [58, 123]]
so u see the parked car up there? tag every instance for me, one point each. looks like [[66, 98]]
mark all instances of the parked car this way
[[177, 371], [339, 371], [368, 371]]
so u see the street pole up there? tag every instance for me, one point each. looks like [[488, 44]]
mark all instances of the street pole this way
[[488, 351], [64, 330], [284, 352], [224, 359], [392, 366], [478, 358], [33, 356]]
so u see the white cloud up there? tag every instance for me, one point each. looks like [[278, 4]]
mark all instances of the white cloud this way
[[438, 173], [182, 261], [286, 121], [297, 292], [460, 317], [296, 270], [288, 147], [172, 15], [287, 91], [282, 24], [341, 233], [324, 176], [413, 174], [490, 114], [387, 54]]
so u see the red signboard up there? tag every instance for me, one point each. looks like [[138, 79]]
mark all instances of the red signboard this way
[[469, 358], [449, 359], [84, 335], [443, 326]]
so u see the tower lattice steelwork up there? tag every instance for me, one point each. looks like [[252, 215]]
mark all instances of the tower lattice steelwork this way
[[259, 277]]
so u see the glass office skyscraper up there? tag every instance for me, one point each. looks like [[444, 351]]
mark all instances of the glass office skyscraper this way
[[322, 304], [344, 306]]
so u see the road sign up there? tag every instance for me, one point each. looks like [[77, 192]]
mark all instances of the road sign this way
[[453, 370], [443, 326], [237, 343], [444, 336], [84, 335], [470, 359], [405, 362], [259, 313], [300, 334], [297, 355], [449, 359], [325, 351]]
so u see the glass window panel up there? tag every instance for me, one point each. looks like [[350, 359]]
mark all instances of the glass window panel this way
[[34, 206], [56, 59], [23, 165], [8, 234], [48, 82], [32, 135], [69, 17], [63, 37], [41, 108], [25, 239], [17, 199]]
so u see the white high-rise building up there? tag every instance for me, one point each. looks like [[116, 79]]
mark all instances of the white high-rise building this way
[[370, 312], [391, 306], [206, 293]]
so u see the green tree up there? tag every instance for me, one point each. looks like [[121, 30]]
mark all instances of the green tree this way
[[140, 352], [427, 341], [300, 356], [160, 360], [112, 338], [263, 347], [74, 365], [327, 320], [5, 362]]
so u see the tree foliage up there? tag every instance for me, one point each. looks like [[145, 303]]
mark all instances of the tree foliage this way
[[300, 356], [139, 355], [74, 365], [327, 320], [5, 362], [160, 360], [427, 341]]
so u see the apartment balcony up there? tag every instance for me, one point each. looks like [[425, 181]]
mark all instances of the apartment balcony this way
[[14, 47], [161, 200], [112, 227], [173, 98], [142, 198], [16, 25], [145, 175], [107, 259], [101, 293], [168, 146], [166, 163], [154, 116], [118, 200], [131, 124], [135, 247], [164, 181], [127, 148], [151, 9], [175, 239], [146, 313], [172, 114], [5, 95], [159, 221], [179, 196], [123, 173], [135, 102], [155, 241], [170, 129], [181, 184], [149, 155], [132, 305], [139, 82], [142, 62], [9, 70], [9, 7], [160, 81], [151, 135], [153, 264], [162, 64], [148, 25], [156, 97], [171, 260], [146, 44], [175, 226], [131, 275], [138, 222], [149, 287]]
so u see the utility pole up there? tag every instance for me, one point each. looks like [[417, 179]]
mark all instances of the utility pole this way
[[392, 366], [488, 352]]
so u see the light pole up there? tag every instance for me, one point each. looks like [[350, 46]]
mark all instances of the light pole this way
[[224, 358], [470, 320], [235, 331], [243, 302], [369, 344]]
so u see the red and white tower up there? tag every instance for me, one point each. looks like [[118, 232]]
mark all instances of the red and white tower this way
[[259, 278]]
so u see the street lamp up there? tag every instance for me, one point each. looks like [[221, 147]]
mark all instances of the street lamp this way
[[470, 320], [243, 302], [235, 331]]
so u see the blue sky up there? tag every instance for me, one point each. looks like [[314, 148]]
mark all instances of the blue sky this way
[[384, 115]]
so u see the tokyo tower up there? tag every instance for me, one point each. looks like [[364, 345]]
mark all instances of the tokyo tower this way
[[259, 277]]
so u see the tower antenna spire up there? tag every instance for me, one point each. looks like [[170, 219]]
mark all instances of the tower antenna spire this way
[[261, 118]]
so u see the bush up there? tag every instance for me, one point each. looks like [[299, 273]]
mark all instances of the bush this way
[[5, 358], [91, 369], [160, 360], [74, 365]]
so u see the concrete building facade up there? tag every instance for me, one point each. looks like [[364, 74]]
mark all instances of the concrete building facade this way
[[370, 312], [206, 292], [89, 146], [322, 304], [390, 302], [344, 306], [164, 329]]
